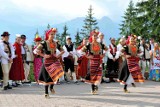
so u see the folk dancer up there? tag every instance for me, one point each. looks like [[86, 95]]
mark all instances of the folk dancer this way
[[51, 69], [94, 74], [68, 59], [130, 71]]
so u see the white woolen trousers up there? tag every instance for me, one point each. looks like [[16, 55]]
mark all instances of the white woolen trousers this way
[[6, 68]]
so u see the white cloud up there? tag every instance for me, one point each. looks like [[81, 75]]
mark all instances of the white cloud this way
[[67, 8], [57, 11]]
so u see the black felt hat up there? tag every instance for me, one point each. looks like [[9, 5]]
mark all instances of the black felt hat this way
[[5, 34]]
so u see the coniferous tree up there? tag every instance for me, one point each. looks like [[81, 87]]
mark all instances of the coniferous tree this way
[[145, 19], [90, 23], [128, 26], [149, 11], [78, 39], [64, 34]]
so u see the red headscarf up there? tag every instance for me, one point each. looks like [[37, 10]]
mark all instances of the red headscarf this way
[[37, 39], [129, 38], [92, 33], [49, 31]]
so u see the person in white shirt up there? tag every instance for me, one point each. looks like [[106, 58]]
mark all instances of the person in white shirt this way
[[112, 62], [68, 58], [104, 60], [26, 63], [122, 42], [7, 56], [145, 57]]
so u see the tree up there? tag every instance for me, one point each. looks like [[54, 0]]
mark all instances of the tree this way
[[58, 36], [149, 13], [89, 23], [78, 39], [64, 34], [128, 26]]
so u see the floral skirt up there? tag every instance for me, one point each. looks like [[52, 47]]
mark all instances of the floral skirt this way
[[154, 74]]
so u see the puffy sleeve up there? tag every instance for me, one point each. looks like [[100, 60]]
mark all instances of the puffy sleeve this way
[[39, 48], [12, 51], [2, 53]]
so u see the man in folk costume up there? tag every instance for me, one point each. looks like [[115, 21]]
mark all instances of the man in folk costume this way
[[130, 71], [145, 57], [102, 42], [17, 69], [51, 69], [112, 62], [68, 58], [7, 56], [82, 60], [1, 72], [25, 55], [37, 58]]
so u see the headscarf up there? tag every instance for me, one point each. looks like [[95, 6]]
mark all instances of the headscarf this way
[[92, 33], [49, 31]]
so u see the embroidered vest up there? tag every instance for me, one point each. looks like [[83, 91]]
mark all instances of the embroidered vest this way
[[113, 50]]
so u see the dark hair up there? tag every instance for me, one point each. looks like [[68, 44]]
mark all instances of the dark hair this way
[[23, 36]]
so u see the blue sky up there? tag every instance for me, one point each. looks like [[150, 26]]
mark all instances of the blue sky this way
[[34, 13]]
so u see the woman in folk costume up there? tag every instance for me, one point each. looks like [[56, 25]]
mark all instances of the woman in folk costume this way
[[130, 71], [95, 57], [37, 59], [82, 60], [51, 69], [17, 71], [155, 61]]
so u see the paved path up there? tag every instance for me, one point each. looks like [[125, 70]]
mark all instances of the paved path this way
[[72, 95]]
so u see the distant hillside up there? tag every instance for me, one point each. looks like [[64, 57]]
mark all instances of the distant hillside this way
[[106, 25]]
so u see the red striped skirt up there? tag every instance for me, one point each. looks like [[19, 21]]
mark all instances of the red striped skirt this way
[[134, 69], [54, 68], [95, 70]]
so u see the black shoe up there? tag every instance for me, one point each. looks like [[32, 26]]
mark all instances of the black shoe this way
[[67, 82], [9, 87], [27, 82], [76, 82], [5, 88], [133, 85]]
